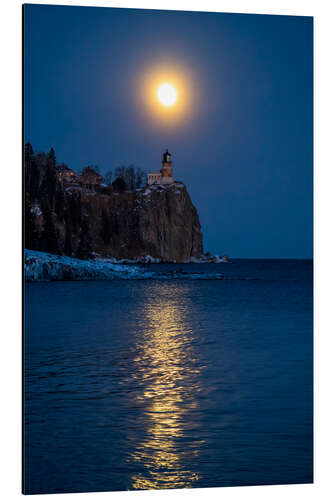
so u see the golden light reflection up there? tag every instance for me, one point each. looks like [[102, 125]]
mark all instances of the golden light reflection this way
[[167, 367]]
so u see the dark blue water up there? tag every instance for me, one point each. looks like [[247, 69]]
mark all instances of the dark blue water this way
[[170, 383]]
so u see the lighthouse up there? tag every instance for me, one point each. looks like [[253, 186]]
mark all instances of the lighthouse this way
[[164, 176], [166, 169]]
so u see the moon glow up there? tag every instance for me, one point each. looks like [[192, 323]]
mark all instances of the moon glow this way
[[167, 94]]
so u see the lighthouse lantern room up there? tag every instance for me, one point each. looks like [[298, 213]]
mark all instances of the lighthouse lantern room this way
[[164, 176]]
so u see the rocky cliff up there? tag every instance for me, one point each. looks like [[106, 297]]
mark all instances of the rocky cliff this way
[[159, 221]]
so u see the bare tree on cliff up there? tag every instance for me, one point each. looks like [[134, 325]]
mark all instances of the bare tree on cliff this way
[[133, 177], [120, 173], [140, 178], [130, 177], [108, 177]]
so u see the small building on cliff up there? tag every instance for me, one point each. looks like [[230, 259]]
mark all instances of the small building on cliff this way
[[164, 176], [65, 175], [90, 179]]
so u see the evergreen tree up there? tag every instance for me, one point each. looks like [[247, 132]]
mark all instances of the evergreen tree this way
[[106, 228], [68, 242], [49, 184], [59, 206], [29, 224], [119, 184], [28, 161], [85, 247], [49, 236], [74, 213], [28, 155], [52, 158]]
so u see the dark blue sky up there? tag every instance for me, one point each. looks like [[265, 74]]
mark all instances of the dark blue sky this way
[[245, 153]]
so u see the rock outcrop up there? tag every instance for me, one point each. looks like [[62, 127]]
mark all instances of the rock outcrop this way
[[43, 266], [159, 221]]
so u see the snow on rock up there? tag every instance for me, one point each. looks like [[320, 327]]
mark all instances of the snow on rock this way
[[148, 259], [145, 259], [221, 260], [209, 259], [41, 266], [35, 209]]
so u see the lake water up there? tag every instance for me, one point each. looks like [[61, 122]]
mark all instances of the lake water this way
[[146, 384]]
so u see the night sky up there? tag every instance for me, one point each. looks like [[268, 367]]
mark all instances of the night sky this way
[[244, 149]]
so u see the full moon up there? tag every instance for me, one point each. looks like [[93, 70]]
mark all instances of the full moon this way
[[167, 94]]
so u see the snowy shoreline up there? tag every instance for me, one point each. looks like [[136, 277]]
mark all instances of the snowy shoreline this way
[[42, 266]]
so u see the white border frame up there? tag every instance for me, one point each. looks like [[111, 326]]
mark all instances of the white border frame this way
[[10, 261]]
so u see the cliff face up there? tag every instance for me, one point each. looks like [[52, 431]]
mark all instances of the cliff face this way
[[159, 221]]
